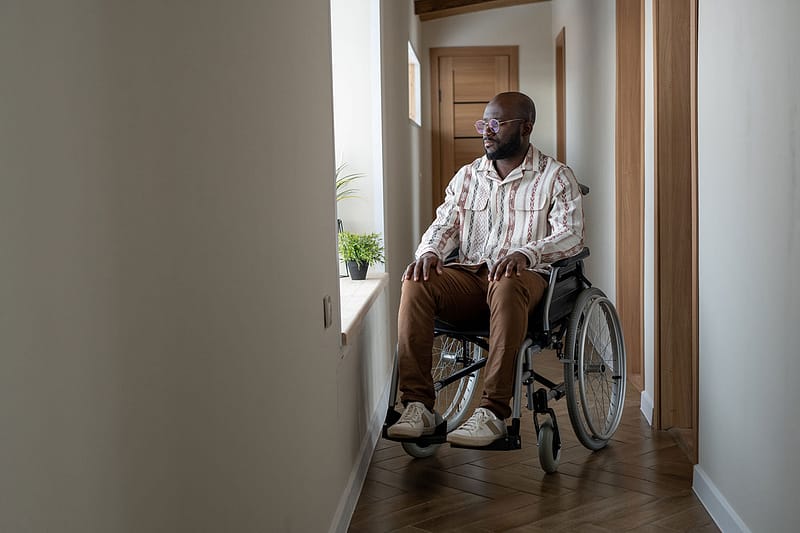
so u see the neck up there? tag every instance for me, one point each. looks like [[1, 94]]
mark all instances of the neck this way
[[506, 165]]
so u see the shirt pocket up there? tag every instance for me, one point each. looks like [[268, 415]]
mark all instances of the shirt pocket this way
[[475, 224], [529, 219], [476, 197]]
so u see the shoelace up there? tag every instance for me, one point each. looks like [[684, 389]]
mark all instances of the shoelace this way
[[412, 413], [478, 417]]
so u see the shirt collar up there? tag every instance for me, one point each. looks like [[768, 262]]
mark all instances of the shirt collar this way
[[529, 164]]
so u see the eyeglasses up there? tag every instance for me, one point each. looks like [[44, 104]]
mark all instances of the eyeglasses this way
[[492, 124]]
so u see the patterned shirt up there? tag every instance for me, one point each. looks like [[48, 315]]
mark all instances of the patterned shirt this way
[[536, 210]]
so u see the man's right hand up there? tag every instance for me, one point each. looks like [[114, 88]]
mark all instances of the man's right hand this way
[[421, 268]]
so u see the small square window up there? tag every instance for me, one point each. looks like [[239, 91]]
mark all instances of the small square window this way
[[414, 87]]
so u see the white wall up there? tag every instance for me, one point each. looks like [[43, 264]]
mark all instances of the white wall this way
[[591, 102], [362, 378], [166, 239], [401, 144], [749, 257], [647, 403]]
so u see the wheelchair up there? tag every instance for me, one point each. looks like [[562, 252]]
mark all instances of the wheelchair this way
[[575, 320]]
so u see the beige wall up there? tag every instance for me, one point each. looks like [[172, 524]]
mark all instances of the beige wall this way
[[166, 240]]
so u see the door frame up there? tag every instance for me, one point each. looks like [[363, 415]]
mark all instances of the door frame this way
[[561, 95], [630, 183], [676, 277]]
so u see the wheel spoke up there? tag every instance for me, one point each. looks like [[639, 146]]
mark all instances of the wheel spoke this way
[[595, 374]]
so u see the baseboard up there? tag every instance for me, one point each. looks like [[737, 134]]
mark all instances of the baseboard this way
[[646, 406], [715, 503], [349, 497]]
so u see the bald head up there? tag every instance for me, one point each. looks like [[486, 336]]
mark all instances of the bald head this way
[[517, 103]]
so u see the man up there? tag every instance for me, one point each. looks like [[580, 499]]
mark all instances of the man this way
[[509, 214]]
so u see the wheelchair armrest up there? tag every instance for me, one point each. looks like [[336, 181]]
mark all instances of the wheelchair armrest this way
[[567, 261]]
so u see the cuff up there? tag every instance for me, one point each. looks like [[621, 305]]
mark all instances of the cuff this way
[[425, 249], [533, 258]]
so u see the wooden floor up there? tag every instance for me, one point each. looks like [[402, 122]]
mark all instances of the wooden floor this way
[[640, 482]]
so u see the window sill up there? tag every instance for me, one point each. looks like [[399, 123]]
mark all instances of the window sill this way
[[356, 299]]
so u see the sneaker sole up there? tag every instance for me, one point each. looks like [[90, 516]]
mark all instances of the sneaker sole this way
[[473, 441], [400, 433]]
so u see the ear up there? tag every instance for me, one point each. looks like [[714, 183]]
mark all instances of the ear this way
[[527, 128]]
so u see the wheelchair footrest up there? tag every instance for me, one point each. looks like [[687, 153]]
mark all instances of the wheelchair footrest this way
[[511, 441]]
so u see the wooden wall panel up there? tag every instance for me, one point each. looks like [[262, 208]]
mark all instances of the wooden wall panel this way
[[630, 182], [676, 219], [470, 76]]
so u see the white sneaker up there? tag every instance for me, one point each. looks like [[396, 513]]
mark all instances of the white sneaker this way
[[482, 428], [415, 421]]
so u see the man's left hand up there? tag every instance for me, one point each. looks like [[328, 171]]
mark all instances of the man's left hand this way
[[509, 265]]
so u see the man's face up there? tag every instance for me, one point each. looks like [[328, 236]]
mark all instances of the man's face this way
[[508, 139]]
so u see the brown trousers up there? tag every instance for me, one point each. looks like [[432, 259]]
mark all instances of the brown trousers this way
[[459, 295]]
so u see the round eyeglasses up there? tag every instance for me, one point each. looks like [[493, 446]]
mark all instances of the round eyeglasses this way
[[492, 124]]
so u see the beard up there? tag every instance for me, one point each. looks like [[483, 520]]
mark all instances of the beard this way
[[502, 151]]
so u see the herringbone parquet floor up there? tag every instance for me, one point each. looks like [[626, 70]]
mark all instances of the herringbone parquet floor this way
[[640, 482]]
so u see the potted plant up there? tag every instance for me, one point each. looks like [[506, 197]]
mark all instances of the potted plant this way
[[359, 251]]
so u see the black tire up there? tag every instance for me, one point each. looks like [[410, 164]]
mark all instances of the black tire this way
[[595, 370]]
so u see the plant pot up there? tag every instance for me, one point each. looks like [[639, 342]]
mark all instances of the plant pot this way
[[357, 270]]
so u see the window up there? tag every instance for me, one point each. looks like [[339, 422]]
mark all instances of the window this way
[[414, 87]]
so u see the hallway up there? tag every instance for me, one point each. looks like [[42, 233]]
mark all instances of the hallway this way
[[640, 482]]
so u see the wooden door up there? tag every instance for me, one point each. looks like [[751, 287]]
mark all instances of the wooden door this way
[[463, 80]]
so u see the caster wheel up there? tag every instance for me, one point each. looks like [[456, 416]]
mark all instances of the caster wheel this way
[[548, 457], [419, 451]]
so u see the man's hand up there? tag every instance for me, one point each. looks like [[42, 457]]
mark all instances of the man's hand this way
[[422, 267], [508, 265]]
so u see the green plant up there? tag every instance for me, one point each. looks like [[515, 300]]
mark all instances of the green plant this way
[[344, 183], [361, 247]]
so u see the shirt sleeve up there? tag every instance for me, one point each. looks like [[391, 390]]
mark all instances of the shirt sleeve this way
[[443, 235], [566, 235]]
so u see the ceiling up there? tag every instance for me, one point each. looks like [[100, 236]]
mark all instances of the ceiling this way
[[432, 9]]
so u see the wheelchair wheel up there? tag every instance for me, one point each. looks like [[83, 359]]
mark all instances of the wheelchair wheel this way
[[449, 356], [452, 400], [595, 372], [548, 455]]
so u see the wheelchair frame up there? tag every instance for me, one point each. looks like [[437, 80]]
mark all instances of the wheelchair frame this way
[[567, 310]]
